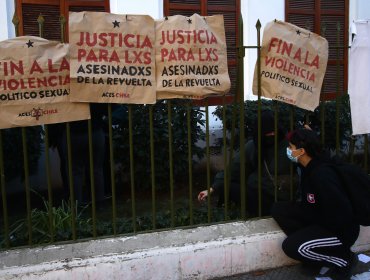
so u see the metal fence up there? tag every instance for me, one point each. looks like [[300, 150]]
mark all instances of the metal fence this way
[[130, 210]]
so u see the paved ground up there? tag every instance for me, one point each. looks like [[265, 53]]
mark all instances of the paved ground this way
[[361, 272]]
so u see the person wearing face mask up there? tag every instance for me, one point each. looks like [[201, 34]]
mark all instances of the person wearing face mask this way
[[321, 227], [268, 184]]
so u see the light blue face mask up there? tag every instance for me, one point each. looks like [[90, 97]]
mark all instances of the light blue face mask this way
[[290, 156]]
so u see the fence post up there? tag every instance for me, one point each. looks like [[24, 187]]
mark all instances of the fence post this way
[[152, 165], [226, 169], [190, 166], [208, 163], [338, 95], [132, 173], [92, 180], [240, 86], [276, 111], [62, 21], [3, 194], [15, 22], [41, 21], [259, 152], [366, 151], [112, 168], [322, 103]]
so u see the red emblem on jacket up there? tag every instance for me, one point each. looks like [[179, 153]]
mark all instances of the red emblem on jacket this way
[[311, 198]]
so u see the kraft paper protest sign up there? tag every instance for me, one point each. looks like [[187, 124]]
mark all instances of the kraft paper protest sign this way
[[31, 115], [34, 83], [191, 57], [33, 71], [112, 58], [293, 65]]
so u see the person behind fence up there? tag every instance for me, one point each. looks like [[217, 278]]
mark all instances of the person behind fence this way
[[320, 227], [251, 170], [80, 155]]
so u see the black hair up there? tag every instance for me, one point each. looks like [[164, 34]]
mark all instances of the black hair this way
[[306, 139], [267, 126]]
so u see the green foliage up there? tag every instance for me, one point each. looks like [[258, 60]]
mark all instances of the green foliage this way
[[181, 218], [61, 223], [13, 151], [141, 141], [290, 117]]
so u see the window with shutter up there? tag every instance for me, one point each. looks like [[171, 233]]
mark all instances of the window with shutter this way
[[29, 10], [327, 16], [231, 12]]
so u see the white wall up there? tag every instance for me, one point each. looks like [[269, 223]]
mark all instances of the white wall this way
[[154, 8], [3, 22], [252, 10], [359, 9], [6, 15]]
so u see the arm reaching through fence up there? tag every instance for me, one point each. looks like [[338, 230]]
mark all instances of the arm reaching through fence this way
[[268, 184], [202, 196]]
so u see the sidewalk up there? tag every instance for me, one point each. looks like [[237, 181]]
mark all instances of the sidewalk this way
[[361, 272]]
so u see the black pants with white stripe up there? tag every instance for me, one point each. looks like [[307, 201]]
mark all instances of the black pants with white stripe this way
[[310, 243]]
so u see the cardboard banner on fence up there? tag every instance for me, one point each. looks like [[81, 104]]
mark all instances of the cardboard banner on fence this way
[[34, 83], [31, 115], [293, 65], [191, 57], [33, 71], [112, 58]]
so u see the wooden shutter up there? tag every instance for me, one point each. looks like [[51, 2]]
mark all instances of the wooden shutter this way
[[314, 15], [231, 12], [29, 10], [79, 6]]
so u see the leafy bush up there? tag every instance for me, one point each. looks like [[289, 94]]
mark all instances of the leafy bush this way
[[299, 118], [62, 222], [141, 142]]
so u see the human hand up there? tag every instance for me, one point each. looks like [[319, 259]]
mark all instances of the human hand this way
[[204, 194], [306, 126]]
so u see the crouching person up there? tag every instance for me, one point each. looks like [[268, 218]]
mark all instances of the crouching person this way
[[321, 227]]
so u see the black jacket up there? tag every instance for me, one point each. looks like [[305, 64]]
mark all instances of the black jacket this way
[[325, 203]]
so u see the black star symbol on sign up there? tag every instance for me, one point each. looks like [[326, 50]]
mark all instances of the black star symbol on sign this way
[[298, 32], [29, 44], [115, 23], [189, 20]]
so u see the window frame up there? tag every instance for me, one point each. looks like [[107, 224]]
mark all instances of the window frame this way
[[318, 13], [205, 6], [64, 8]]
